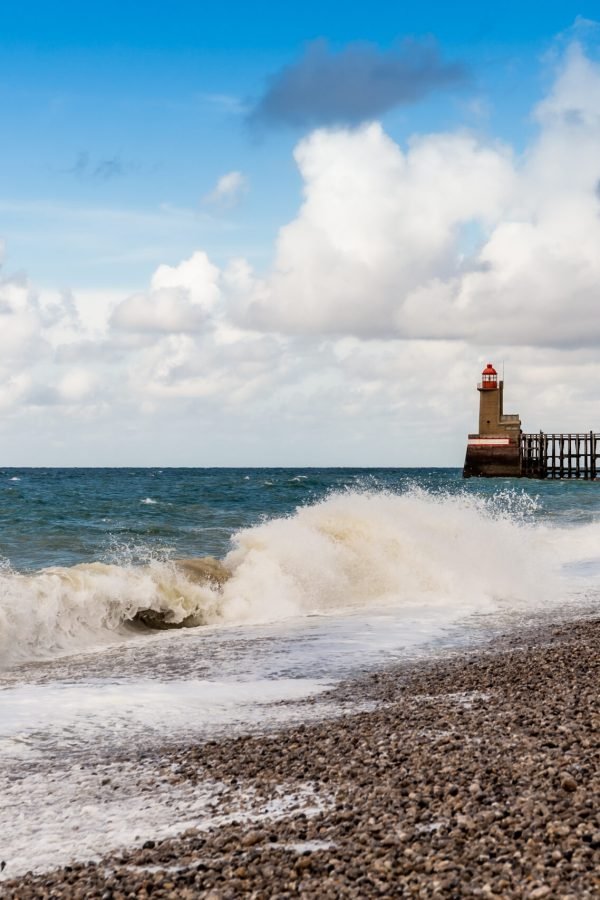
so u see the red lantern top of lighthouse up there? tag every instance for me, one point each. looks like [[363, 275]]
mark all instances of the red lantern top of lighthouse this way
[[489, 378]]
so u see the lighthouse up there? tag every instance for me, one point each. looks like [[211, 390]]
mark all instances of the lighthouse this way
[[495, 450]]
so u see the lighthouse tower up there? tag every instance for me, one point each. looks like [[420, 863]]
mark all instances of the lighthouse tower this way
[[495, 450]]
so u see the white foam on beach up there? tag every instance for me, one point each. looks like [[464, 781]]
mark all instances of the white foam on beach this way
[[303, 847], [199, 683], [38, 720], [77, 813], [351, 551]]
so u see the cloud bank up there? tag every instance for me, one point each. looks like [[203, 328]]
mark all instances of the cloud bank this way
[[403, 268], [358, 83], [453, 238]]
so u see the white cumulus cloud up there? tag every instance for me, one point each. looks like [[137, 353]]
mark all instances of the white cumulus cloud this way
[[180, 299], [376, 224], [454, 237]]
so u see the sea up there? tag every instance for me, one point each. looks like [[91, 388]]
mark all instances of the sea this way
[[331, 573]]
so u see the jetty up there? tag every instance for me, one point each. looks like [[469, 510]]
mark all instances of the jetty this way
[[501, 449]]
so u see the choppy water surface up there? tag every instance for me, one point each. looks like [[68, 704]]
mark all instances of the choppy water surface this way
[[329, 572]]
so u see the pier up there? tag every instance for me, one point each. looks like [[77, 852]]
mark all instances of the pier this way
[[502, 450], [560, 455]]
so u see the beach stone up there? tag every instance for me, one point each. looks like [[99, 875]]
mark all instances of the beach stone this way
[[568, 783], [540, 892], [252, 838]]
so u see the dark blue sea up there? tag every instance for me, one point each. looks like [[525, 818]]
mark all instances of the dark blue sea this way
[[51, 517], [117, 633]]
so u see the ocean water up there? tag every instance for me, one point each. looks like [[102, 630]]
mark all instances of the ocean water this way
[[326, 572]]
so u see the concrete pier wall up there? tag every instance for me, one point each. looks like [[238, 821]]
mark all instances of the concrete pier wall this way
[[486, 459]]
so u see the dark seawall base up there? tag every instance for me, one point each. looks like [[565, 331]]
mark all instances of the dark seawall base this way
[[477, 776], [492, 462]]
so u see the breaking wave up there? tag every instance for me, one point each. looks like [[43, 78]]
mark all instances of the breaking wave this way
[[354, 550]]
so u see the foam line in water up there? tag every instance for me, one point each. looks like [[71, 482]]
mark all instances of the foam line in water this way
[[353, 550]]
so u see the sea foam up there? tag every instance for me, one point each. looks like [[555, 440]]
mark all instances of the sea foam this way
[[351, 551]]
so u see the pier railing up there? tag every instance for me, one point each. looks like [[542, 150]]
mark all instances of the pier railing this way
[[560, 455]]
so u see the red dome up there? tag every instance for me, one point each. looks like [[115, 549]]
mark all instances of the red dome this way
[[489, 370]]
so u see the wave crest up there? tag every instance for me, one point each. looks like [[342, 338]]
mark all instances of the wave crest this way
[[353, 550]]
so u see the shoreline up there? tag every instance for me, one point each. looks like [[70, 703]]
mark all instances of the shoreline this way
[[474, 775]]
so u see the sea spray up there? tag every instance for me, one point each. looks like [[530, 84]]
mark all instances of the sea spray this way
[[352, 550], [360, 549], [61, 610]]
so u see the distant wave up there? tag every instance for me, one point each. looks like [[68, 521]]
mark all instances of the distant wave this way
[[353, 550]]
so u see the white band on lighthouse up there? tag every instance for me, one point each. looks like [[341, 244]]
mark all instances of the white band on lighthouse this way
[[488, 442]]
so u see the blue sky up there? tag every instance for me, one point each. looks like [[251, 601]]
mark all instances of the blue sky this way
[[159, 92], [247, 228]]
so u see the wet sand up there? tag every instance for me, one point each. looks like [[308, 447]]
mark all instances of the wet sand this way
[[474, 776]]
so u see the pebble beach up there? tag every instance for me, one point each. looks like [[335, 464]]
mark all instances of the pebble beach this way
[[476, 775]]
